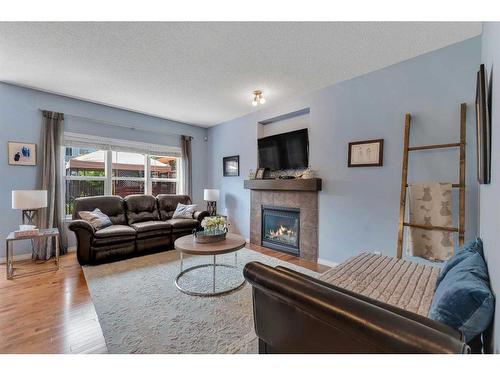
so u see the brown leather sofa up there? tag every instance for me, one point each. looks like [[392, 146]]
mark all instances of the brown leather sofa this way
[[141, 224], [295, 313]]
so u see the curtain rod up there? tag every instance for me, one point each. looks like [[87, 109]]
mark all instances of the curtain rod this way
[[111, 123]]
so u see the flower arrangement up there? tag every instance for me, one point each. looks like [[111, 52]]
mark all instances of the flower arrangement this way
[[214, 223]]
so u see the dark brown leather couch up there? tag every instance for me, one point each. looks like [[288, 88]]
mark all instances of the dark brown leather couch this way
[[295, 313], [141, 224]]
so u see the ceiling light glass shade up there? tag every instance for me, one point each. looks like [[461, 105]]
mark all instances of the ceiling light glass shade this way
[[29, 199], [211, 195], [255, 102], [262, 100]]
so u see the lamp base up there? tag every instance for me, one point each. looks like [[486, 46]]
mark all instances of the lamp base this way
[[212, 208], [29, 217]]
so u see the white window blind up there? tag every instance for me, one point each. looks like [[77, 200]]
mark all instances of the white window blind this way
[[103, 143]]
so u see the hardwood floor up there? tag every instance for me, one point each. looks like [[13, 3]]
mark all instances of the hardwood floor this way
[[53, 312], [289, 258], [48, 313]]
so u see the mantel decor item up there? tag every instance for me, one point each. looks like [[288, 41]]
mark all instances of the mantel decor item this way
[[259, 175], [231, 166], [20, 153], [211, 196], [308, 173], [366, 153]]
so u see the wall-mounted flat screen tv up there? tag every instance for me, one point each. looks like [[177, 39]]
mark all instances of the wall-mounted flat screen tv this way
[[483, 127], [284, 151]]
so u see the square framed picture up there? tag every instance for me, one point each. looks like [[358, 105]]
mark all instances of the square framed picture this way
[[259, 175], [20, 153], [231, 166], [366, 153]]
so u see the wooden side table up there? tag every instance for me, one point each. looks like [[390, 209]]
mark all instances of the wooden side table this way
[[9, 249]]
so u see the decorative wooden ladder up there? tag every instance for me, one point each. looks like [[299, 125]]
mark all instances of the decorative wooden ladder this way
[[460, 185]]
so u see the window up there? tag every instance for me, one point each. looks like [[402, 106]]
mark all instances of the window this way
[[85, 174], [91, 172], [128, 175], [163, 174]]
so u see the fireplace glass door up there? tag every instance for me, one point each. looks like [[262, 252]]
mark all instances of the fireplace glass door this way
[[280, 228]]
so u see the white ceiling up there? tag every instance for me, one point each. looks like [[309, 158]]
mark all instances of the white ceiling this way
[[204, 73]]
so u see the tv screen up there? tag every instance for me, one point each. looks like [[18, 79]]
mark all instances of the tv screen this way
[[284, 151]]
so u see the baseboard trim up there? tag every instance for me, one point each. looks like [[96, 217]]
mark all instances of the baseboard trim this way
[[26, 256], [327, 262]]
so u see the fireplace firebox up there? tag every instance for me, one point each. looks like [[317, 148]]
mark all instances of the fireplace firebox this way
[[281, 229]]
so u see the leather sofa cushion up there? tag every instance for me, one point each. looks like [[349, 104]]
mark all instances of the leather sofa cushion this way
[[147, 226], [113, 235], [167, 203], [112, 206], [112, 252], [182, 223], [141, 208], [115, 231]]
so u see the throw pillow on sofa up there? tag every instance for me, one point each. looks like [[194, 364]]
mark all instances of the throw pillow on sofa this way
[[184, 211], [469, 248], [96, 218], [463, 299]]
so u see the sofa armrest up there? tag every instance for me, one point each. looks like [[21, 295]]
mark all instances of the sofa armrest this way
[[200, 215], [84, 233], [296, 315]]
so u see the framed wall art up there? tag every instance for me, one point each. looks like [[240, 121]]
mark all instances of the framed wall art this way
[[20, 153], [231, 166], [366, 153]]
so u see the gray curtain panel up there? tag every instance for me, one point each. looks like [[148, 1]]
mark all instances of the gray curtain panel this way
[[186, 165], [52, 181]]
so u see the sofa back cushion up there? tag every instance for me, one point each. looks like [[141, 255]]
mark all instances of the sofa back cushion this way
[[167, 203], [112, 206], [141, 208], [463, 299]]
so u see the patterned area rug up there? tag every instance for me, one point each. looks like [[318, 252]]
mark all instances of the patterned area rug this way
[[141, 311]]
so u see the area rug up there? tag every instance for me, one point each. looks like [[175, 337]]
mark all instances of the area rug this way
[[141, 311]]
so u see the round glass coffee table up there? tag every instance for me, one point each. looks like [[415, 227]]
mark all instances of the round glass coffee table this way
[[188, 245]]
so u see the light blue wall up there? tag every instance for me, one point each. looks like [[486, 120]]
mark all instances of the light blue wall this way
[[20, 120], [490, 194], [359, 207]]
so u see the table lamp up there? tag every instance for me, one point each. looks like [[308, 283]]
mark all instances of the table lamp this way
[[211, 196], [29, 201]]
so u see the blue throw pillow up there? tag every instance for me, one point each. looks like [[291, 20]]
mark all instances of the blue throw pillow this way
[[463, 300], [469, 248]]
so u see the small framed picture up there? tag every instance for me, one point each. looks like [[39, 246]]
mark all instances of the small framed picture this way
[[20, 153], [259, 175], [366, 153], [231, 166]]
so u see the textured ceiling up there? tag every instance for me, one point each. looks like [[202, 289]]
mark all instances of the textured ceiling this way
[[204, 73]]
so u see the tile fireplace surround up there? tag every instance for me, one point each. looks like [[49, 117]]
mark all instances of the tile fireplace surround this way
[[307, 201]]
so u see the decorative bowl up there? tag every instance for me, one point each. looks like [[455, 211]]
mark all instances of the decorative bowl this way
[[209, 236]]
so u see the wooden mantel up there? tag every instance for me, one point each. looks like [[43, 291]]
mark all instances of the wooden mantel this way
[[296, 184]]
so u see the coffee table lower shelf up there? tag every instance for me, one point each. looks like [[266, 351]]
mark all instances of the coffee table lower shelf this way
[[214, 265]]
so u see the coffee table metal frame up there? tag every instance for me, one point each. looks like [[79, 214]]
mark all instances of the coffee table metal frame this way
[[214, 265]]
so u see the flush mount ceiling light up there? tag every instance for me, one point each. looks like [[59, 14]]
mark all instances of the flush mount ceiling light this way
[[258, 98]]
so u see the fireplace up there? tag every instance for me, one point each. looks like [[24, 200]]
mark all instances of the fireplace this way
[[281, 228]]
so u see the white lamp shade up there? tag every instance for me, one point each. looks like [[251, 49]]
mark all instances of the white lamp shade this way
[[29, 199], [211, 195]]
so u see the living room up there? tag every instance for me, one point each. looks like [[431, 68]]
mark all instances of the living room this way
[[248, 188]]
